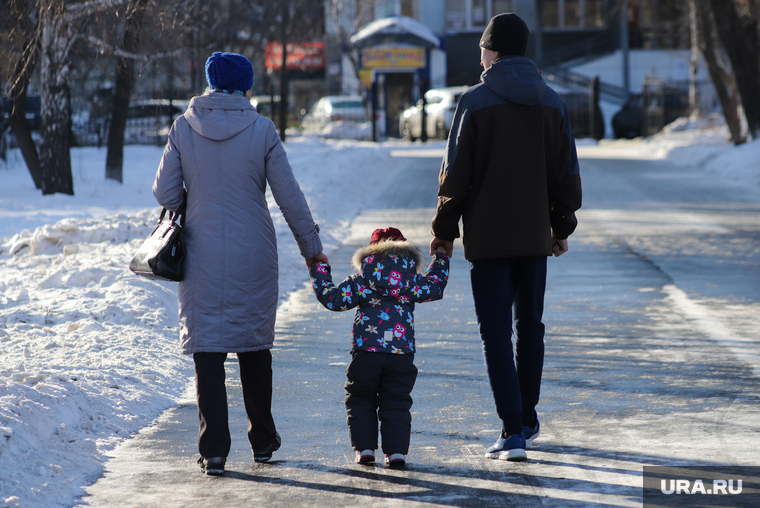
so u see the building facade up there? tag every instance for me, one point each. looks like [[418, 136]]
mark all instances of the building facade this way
[[563, 32]]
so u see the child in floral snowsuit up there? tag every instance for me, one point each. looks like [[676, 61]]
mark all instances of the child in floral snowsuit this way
[[381, 374]]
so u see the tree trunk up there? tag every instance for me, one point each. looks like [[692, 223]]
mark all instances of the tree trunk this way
[[122, 92], [694, 99], [119, 108], [55, 139], [724, 83], [17, 119], [21, 76], [740, 39], [284, 72]]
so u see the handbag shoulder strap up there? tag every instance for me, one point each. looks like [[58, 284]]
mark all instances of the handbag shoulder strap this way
[[182, 209], [179, 213]]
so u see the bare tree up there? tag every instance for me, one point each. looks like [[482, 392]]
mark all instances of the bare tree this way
[[123, 90], [21, 26], [347, 17], [181, 28], [293, 21], [164, 26], [45, 33], [61, 23], [55, 135], [285, 29], [737, 28], [719, 68]]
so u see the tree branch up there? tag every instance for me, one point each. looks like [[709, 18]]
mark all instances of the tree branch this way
[[74, 11], [108, 49]]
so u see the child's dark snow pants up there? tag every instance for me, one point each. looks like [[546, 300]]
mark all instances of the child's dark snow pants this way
[[379, 386]]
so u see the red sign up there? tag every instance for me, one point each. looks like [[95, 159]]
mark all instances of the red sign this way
[[302, 55]]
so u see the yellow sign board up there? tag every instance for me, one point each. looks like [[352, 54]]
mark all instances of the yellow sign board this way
[[394, 58], [366, 77]]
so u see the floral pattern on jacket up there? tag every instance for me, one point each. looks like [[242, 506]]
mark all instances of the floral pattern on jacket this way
[[384, 294]]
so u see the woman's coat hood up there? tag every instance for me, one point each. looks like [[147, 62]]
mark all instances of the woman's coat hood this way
[[220, 116]]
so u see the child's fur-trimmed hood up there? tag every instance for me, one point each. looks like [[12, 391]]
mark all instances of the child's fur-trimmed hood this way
[[388, 248]]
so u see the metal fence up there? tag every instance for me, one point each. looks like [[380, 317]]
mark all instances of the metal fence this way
[[661, 103]]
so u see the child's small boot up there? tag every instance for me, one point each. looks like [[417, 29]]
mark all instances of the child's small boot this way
[[395, 460], [365, 456]]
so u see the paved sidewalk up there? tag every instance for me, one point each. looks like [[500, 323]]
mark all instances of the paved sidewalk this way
[[627, 383]]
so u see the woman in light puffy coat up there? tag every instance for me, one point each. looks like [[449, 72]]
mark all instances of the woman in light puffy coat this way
[[225, 154]]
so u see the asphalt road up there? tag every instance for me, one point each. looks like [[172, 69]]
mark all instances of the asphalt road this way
[[651, 359]]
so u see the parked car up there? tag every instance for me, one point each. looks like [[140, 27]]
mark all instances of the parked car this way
[[265, 106], [441, 103], [33, 110], [33, 120], [149, 121], [629, 122], [335, 108]]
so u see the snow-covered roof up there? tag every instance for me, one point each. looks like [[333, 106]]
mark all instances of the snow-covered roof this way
[[398, 29]]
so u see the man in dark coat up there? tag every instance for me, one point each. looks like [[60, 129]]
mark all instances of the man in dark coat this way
[[511, 173]]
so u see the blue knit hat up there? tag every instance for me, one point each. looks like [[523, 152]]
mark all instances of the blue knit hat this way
[[229, 71]]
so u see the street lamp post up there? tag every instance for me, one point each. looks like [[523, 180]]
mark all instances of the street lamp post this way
[[624, 42]]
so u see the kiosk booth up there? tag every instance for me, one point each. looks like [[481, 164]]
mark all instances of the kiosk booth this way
[[401, 59]]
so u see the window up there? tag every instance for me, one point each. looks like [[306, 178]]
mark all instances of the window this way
[[365, 12], [593, 14], [550, 13], [456, 14], [571, 14], [386, 8], [473, 14], [407, 8], [479, 14], [501, 6]]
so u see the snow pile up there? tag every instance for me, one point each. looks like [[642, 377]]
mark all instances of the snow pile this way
[[704, 143], [89, 352], [739, 165], [701, 138], [347, 130], [700, 144]]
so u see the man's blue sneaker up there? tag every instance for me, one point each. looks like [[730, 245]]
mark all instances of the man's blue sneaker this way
[[531, 434], [511, 448]]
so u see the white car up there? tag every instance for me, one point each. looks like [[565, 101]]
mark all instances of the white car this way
[[334, 108], [441, 103], [149, 121]]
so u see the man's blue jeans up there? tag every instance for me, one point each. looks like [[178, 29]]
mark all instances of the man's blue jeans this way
[[509, 299]]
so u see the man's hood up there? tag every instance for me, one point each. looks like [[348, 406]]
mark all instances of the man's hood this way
[[220, 116], [515, 79]]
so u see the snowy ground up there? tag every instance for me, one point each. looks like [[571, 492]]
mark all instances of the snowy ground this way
[[89, 352]]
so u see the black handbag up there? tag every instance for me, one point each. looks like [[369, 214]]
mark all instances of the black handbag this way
[[161, 255]]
